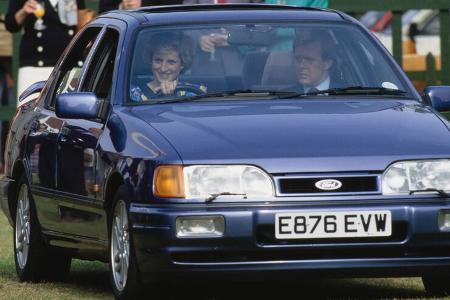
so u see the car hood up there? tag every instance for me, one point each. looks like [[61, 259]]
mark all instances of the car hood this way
[[301, 135]]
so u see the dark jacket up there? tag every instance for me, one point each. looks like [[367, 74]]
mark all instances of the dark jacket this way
[[45, 47], [106, 5]]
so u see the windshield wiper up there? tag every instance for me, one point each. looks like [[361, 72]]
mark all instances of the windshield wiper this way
[[235, 93], [353, 90], [441, 193], [360, 90], [213, 197]]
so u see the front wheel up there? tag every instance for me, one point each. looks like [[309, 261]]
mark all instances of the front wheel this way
[[124, 274], [436, 285]]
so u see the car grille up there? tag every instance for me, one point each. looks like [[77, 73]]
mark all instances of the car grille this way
[[306, 185]]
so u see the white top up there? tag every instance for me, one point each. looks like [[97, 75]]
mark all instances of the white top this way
[[53, 2]]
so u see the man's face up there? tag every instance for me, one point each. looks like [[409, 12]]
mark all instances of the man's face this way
[[311, 69]]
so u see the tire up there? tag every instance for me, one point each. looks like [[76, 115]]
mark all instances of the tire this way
[[436, 285], [33, 259], [123, 270]]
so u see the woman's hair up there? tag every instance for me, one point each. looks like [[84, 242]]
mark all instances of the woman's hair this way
[[179, 43]]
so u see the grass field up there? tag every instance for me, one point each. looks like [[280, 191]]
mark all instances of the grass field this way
[[89, 280]]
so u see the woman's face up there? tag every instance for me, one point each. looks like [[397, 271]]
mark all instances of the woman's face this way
[[166, 65]]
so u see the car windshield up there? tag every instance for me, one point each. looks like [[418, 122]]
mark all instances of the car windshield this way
[[206, 62]]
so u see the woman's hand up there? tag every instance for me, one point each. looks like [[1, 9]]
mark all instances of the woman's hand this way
[[28, 8], [167, 87]]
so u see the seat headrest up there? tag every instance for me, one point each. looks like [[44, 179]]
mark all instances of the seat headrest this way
[[279, 69]]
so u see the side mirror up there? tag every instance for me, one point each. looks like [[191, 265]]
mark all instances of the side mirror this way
[[32, 89], [438, 97], [77, 106]]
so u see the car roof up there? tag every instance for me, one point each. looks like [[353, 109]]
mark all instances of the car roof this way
[[188, 14]]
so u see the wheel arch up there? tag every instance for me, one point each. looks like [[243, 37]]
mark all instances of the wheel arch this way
[[114, 182]]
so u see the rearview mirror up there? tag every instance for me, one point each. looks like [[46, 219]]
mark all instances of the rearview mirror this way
[[250, 35], [77, 106], [32, 89], [438, 97]]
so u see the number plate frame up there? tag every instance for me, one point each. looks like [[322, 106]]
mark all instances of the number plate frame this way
[[322, 225]]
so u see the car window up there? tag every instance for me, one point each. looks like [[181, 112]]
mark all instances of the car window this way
[[70, 71], [190, 61], [98, 77]]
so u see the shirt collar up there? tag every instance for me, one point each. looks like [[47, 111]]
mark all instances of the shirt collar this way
[[324, 85]]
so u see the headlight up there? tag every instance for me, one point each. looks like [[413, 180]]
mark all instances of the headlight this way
[[203, 181], [406, 176]]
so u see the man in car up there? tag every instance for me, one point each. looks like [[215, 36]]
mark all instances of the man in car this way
[[314, 59]]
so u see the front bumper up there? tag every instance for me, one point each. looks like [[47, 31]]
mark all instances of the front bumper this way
[[417, 245], [5, 188]]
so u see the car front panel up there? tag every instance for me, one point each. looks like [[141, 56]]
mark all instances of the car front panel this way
[[417, 243]]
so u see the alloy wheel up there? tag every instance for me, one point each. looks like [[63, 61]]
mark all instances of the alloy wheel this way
[[22, 227], [120, 245]]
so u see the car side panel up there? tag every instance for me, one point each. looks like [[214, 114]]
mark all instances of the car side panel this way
[[41, 154]]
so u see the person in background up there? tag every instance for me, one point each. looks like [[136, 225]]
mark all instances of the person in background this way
[[48, 26], [6, 83], [307, 3], [106, 5], [219, 1], [210, 41], [285, 36]]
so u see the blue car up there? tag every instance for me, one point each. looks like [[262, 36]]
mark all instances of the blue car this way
[[229, 142]]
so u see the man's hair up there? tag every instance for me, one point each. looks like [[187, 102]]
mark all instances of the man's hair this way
[[326, 42]]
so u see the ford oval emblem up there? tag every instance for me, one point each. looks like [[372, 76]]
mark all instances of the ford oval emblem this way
[[328, 184]]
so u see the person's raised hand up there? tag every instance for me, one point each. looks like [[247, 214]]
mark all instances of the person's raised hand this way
[[29, 7], [130, 4], [206, 43], [209, 42]]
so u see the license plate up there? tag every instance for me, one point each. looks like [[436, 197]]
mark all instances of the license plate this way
[[319, 225]]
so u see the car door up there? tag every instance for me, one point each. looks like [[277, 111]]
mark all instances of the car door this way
[[81, 210], [45, 129]]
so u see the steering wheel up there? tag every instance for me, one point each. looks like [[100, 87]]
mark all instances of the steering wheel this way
[[188, 89]]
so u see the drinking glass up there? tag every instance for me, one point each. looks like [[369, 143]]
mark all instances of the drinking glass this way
[[39, 12]]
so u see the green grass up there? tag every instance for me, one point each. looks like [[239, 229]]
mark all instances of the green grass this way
[[89, 280]]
